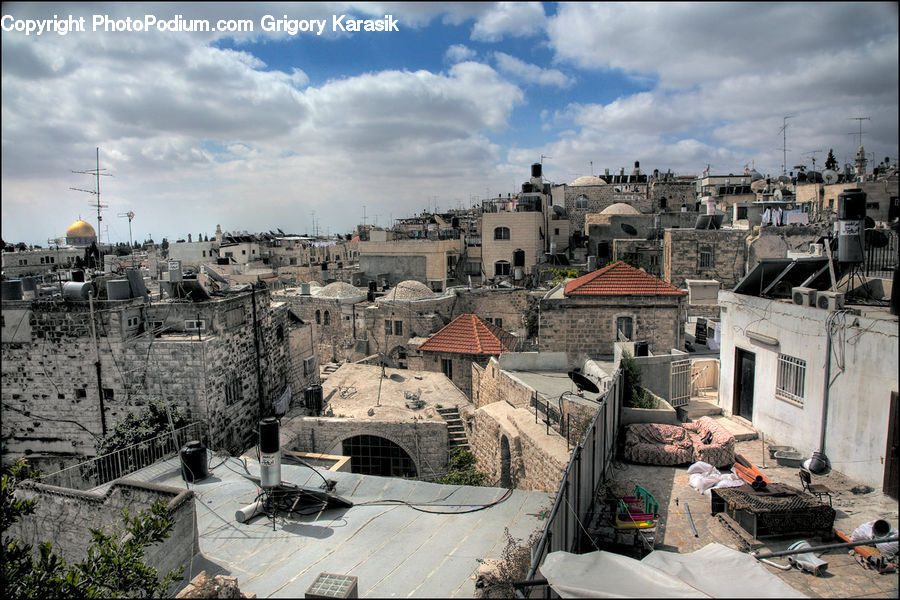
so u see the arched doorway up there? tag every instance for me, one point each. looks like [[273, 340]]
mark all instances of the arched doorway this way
[[505, 478], [374, 455]]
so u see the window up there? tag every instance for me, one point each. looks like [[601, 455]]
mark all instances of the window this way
[[624, 329], [556, 231], [23, 262], [387, 327], [872, 205], [233, 390], [501, 267], [318, 317], [790, 379], [498, 322], [706, 257], [447, 367], [229, 254], [80, 393], [244, 252], [195, 325], [581, 202], [204, 253], [326, 318], [132, 322], [501, 233], [398, 327]]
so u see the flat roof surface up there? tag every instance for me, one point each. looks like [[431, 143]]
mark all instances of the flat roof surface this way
[[394, 549], [354, 389]]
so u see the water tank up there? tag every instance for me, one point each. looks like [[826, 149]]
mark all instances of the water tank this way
[[518, 258], [193, 462], [29, 284], [536, 170], [118, 289], [77, 275], [527, 188], [312, 396], [591, 263], [269, 453], [851, 229], [77, 290], [373, 286], [518, 273], [304, 288], [12, 289]]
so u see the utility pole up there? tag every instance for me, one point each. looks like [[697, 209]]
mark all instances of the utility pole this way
[[784, 148], [95, 172]]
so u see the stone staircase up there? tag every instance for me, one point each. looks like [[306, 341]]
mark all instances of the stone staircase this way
[[326, 370], [699, 407], [455, 427]]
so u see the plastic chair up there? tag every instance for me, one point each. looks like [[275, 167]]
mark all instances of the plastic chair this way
[[817, 489]]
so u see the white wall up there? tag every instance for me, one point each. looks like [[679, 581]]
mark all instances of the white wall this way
[[859, 397]]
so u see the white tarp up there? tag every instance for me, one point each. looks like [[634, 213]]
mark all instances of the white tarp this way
[[714, 571]]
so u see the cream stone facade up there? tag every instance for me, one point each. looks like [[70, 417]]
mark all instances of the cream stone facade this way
[[506, 232], [429, 261]]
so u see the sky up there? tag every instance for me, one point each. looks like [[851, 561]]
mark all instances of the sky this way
[[306, 130]]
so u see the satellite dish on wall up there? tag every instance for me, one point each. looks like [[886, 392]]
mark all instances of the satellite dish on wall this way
[[829, 177], [583, 383], [629, 229]]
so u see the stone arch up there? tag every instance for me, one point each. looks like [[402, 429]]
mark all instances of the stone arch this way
[[385, 456]]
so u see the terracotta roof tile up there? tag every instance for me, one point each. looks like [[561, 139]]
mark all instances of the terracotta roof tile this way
[[617, 279], [468, 334]]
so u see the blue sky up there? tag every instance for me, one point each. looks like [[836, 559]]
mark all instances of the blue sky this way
[[260, 130]]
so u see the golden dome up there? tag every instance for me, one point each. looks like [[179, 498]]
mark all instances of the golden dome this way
[[80, 229]]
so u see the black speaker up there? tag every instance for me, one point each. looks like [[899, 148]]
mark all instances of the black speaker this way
[[852, 205]]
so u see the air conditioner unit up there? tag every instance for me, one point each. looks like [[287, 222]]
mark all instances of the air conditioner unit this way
[[830, 300], [804, 296]]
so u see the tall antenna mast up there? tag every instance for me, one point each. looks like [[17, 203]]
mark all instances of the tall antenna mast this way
[[860, 119], [130, 215], [96, 172], [784, 148], [813, 153]]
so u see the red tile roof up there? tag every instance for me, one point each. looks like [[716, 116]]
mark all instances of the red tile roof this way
[[618, 279], [468, 334]]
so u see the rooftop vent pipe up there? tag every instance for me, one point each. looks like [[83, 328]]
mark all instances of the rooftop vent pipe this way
[[269, 453]]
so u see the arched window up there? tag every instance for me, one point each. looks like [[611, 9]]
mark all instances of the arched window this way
[[581, 202], [501, 267], [318, 317], [501, 233], [327, 319], [373, 455]]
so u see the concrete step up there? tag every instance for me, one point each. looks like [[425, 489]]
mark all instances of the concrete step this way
[[738, 427], [701, 408]]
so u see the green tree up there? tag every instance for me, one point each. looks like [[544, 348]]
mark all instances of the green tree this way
[[152, 421], [831, 161], [462, 469], [635, 395], [114, 567]]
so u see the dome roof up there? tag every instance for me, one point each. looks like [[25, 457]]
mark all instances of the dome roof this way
[[588, 180], [340, 289], [620, 208], [409, 290], [80, 229]]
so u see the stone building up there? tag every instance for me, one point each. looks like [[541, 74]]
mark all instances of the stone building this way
[[389, 422], [38, 261], [879, 195], [465, 341], [428, 261], [72, 368], [719, 254], [583, 317]]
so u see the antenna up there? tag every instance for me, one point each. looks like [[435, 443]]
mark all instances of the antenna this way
[[784, 148], [96, 172], [130, 215], [543, 157], [860, 119]]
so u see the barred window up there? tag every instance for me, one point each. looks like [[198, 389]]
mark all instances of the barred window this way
[[790, 382], [581, 202], [706, 257], [501, 233]]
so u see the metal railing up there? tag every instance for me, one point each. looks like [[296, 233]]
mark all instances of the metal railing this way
[[108, 467], [881, 261], [585, 475]]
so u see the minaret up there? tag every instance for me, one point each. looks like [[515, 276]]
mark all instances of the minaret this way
[[860, 164]]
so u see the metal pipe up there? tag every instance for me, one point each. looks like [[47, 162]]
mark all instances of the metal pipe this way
[[690, 519], [867, 542]]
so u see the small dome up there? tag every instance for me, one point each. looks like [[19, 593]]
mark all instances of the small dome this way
[[80, 229], [620, 208], [588, 180], [408, 290], [340, 289]]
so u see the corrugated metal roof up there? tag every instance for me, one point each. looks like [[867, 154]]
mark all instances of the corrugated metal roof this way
[[394, 549], [468, 334], [620, 278]]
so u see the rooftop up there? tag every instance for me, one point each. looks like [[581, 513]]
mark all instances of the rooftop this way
[[400, 538], [618, 279], [468, 334]]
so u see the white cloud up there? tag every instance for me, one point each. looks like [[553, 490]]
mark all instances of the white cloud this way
[[459, 53], [532, 73], [516, 19]]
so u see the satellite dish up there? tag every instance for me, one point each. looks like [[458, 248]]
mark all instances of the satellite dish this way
[[829, 177], [870, 222], [778, 195], [583, 383], [783, 179], [629, 229]]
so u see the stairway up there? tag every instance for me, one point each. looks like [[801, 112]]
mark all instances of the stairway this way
[[455, 427], [326, 370], [697, 408]]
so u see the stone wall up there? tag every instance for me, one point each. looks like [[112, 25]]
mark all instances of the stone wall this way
[[668, 196], [776, 242], [461, 367], [51, 393], [586, 327], [64, 517], [684, 252], [603, 196], [425, 441]]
